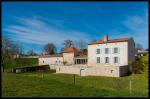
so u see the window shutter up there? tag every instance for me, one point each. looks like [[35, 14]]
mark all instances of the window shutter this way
[[113, 60], [100, 51], [103, 50], [118, 50]]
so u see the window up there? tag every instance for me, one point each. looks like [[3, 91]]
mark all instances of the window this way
[[116, 60], [111, 71], [106, 50], [98, 51], [98, 59], [106, 59], [115, 50]]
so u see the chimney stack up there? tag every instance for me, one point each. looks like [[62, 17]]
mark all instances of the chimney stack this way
[[105, 38]]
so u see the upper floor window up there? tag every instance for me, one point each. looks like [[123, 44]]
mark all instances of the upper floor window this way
[[116, 59], [98, 59], [116, 50], [106, 59], [98, 51], [106, 50]]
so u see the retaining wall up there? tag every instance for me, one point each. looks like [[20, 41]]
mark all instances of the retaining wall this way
[[112, 71]]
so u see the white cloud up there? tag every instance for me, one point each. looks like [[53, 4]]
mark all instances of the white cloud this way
[[38, 31], [136, 27]]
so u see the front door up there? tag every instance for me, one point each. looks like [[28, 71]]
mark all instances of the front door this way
[[82, 72]]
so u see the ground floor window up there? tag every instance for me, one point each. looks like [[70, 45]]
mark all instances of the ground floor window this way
[[98, 59], [106, 59], [116, 60], [80, 61]]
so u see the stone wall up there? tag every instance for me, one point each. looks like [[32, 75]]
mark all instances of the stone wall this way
[[68, 69], [111, 71]]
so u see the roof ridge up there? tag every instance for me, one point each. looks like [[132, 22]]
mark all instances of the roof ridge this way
[[71, 49], [110, 41]]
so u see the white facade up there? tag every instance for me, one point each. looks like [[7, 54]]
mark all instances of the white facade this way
[[50, 60], [125, 54], [114, 63], [69, 58]]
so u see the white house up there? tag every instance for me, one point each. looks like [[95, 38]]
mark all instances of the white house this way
[[115, 52], [107, 57]]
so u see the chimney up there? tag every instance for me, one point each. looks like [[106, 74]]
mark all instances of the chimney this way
[[105, 38]]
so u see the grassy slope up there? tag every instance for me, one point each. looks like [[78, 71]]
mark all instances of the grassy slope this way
[[60, 85]]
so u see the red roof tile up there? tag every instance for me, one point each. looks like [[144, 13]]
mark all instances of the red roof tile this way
[[110, 41], [70, 50]]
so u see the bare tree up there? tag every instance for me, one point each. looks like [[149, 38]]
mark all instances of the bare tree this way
[[6, 45], [138, 46], [61, 50], [9, 49], [67, 43], [30, 52], [81, 45], [50, 48]]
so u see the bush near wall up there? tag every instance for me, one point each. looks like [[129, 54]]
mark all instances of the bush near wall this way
[[140, 65], [20, 62], [145, 64], [136, 67]]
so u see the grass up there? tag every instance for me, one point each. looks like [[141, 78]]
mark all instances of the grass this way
[[49, 84], [62, 85]]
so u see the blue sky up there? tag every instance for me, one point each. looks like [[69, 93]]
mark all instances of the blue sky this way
[[37, 23]]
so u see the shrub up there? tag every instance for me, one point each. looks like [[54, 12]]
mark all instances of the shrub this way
[[144, 64], [136, 67], [65, 62], [19, 62]]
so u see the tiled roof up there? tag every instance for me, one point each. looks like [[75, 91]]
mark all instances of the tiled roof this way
[[110, 41], [70, 50]]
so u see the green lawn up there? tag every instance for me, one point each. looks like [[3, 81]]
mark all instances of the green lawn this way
[[61, 85]]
